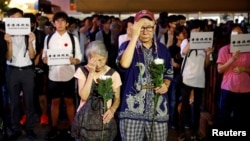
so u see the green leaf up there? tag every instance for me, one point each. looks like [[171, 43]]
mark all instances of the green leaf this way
[[105, 89]]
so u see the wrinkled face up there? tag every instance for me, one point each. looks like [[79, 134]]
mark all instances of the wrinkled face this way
[[147, 30], [60, 24], [100, 61]]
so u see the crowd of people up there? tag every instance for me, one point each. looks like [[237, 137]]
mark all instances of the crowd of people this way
[[122, 50]]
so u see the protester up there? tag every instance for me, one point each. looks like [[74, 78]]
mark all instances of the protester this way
[[233, 112], [137, 104], [193, 79], [61, 83], [20, 77]]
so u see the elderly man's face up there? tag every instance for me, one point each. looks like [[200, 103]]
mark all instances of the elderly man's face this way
[[147, 30]]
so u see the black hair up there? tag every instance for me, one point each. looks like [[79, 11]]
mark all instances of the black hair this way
[[13, 11], [172, 18], [31, 16], [60, 15], [233, 26], [181, 17], [72, 20], [104, 19], [178, 30], [196, 23]]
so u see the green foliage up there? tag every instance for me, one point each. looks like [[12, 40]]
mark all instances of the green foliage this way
[[105, 89], [157, 71]]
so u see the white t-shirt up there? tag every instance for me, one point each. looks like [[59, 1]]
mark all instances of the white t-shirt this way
[[194, 72], [122, 38]]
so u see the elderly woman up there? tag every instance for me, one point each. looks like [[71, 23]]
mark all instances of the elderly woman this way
[[87, 77]]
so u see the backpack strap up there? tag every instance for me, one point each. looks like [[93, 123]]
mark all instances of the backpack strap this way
[[86, 72], [48, 39], [72, 41], [26, 40], [111, 71]]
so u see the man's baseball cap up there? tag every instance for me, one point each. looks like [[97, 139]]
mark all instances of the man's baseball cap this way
[[144, 13]]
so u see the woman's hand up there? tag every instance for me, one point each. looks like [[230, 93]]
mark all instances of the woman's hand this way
[[241, 69], [108, 115], [236, 55], [91, 65], [209, 50]]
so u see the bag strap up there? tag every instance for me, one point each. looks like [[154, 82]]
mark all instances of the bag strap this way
[[71, 38], [26, 40], [86, 72], [110, 72], [184, 62], [185, 59], [73, 43]]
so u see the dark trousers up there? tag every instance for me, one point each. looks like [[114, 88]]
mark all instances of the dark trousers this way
[[195, 108], [21, 80], [233, 111]]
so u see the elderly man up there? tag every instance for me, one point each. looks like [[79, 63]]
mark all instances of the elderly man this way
[[137, 116]]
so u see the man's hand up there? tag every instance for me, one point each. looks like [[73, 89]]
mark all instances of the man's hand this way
[[7, 38], [136, 29], [163, 89]]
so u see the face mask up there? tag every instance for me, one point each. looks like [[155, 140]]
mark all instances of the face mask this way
[[234, 33]]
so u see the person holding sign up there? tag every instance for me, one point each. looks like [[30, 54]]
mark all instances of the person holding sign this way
[[20, 76], [193, 79], [61, 83], [235, 91]]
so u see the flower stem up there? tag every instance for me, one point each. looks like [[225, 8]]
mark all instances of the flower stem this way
[[156, 97], [103, 125]]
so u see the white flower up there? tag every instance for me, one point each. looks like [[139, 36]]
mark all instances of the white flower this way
[[104, 77], [158, 61]]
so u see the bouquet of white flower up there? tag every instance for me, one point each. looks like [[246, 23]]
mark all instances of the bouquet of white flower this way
[[157, 69]]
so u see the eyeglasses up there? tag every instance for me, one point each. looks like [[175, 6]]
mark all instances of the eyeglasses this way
[[147, 28]]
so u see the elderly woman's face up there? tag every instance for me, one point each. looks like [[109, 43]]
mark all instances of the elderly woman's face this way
[[100, 61]]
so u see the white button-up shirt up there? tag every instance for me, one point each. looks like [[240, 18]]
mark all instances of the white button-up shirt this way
[[20, 54], [62, 72]]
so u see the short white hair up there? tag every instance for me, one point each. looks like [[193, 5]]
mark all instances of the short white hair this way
[[97, 47]]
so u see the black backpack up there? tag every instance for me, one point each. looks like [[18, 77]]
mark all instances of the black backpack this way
[[88, 123], [71, 38]]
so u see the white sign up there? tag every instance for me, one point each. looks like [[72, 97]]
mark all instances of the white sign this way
[[201, 40], [240, 42], [58, 56], [17, 26]]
